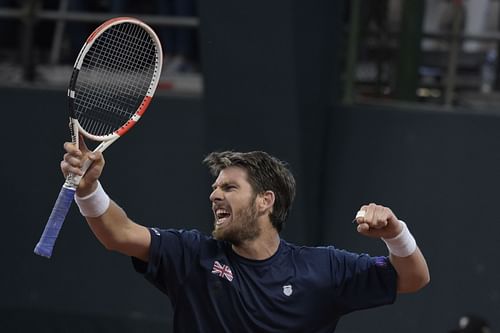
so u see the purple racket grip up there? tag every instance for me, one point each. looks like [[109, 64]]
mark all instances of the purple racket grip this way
[[61, 207]]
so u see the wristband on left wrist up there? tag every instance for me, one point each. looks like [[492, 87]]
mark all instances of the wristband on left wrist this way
[[403, 245]]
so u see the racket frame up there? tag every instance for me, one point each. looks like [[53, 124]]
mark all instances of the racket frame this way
[[66, 195], [107, 140]]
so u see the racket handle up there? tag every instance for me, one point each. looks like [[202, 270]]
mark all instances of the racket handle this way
[[61, 207]]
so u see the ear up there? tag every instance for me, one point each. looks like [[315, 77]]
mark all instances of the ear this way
[[265, 201]]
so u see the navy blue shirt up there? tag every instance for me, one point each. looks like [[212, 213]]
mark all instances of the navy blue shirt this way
[[298, 289]]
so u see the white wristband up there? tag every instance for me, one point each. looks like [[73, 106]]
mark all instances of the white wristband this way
[[95, 204], [403, 244]]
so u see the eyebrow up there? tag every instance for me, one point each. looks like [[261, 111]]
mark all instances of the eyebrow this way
[[224, 184]]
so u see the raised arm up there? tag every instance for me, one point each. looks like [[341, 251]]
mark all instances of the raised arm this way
[[380, 222], [106, 219]]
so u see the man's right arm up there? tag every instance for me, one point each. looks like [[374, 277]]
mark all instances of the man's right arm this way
[[118, 233], [111, 225]]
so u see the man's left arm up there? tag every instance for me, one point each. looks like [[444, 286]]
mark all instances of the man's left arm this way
[[380, 222], [413, 273]]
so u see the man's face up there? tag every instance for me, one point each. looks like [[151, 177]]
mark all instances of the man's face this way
[[234, 207]]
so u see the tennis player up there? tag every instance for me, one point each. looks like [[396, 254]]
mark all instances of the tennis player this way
[[244, 277]]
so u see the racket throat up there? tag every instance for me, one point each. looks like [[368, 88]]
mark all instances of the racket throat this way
[[72, 182], [73, 129]]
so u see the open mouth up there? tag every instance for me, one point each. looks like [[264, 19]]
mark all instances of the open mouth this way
[[221, 216]]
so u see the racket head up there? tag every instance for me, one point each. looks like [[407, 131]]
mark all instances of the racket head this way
[[114, 78]]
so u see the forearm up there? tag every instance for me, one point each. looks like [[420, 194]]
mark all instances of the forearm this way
[[413, 273], [407, 259], [112, 227]]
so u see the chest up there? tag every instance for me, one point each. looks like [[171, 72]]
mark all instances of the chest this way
[[278, 296]]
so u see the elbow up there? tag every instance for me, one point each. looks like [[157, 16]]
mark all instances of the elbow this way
[[109, 246], [122, 244], [424, 278], [415, 284], [422, 282], [113, 241], [106, 241]]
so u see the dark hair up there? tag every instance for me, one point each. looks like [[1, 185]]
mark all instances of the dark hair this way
[[265, 173]]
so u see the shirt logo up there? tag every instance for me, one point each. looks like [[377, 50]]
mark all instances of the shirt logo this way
[[222, 271], [287, 290], [380, 261]]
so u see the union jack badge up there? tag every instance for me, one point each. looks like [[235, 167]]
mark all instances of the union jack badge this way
[[222, 270]]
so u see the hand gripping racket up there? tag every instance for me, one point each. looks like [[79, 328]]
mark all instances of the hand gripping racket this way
[[114, 78]]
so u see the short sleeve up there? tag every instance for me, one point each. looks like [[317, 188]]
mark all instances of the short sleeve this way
[[172, 254], [362, 281]]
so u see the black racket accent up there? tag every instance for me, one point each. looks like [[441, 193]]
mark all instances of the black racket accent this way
[[72, 81], [109, 121]]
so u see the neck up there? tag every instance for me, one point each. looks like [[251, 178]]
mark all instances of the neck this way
[[262, 247]]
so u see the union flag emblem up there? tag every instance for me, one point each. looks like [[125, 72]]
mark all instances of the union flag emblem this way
[[222, 270]]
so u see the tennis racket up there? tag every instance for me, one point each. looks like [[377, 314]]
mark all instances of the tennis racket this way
[[113, 81]]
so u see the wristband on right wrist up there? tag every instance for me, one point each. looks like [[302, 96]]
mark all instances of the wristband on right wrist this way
[[95, 204]]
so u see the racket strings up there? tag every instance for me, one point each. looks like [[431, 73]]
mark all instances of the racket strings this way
[[115, 76]]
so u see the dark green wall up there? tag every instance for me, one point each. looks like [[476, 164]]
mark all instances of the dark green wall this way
[[154, 171], [436, 170]]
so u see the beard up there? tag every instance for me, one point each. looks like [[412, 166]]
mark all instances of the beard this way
[[243, 226]]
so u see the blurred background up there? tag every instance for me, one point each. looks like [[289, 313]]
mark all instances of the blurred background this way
[[389, 101]]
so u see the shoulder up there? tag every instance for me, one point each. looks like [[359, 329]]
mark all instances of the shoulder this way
[[322, 254], [304, 251], [309, 254], [192, 238], [193, 234]]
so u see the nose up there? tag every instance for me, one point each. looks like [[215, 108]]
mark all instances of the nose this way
[[216, 195]]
